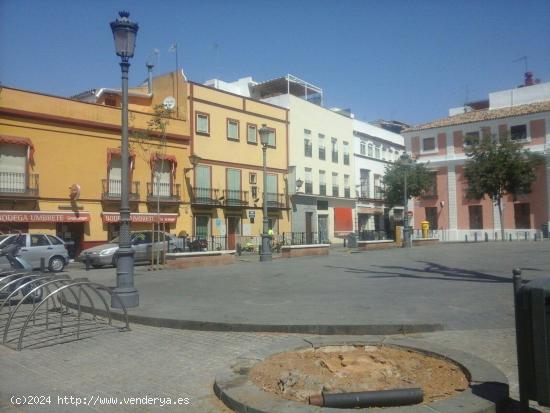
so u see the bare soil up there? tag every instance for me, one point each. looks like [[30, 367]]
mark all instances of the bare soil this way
[[337, 369]]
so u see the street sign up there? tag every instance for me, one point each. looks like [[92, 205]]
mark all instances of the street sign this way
[[251, 214]]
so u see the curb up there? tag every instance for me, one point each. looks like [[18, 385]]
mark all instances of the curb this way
[[488, 391], [320, 329]]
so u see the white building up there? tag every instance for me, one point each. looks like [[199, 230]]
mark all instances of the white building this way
[[374, 149]]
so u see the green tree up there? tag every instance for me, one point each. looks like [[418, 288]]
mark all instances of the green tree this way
[[497, 169], [419, 181]]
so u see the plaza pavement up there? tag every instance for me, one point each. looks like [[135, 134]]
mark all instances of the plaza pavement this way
[[161, 362]]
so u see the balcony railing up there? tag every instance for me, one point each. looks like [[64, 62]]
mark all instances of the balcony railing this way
[[235, 198], [347, 192], [112, 189], [346, 159], [335, 190], [335, 157], [18, 184], [309, 187], [322, 153], [163, 191], [205, 196], [322, 189], [275, 201], [378, 195]]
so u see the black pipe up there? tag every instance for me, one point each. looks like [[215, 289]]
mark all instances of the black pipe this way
[[42, 264], [381, 398]]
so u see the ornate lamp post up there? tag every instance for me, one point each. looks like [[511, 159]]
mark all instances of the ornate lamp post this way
[[406, 161], [266, 254], [124, 34]]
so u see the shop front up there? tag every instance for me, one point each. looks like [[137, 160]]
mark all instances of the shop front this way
[[140, 221]]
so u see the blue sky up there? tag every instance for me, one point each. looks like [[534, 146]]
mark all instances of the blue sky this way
[[405, 60]]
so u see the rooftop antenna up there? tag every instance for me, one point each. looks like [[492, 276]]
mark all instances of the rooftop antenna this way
[[466, 94], [150, 63], [524, 58]]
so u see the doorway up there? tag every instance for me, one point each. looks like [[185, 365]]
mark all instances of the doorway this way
[[233, 231], [72, 234], [323, 228], [309, 224]]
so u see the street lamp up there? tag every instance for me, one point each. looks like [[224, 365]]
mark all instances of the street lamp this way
[[406, 161], [266, 244], [124, 34]]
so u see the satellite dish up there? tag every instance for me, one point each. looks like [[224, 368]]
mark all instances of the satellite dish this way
[[169, 102]]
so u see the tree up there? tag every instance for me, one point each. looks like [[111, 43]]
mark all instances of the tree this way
[[497, 169], [419, 181]]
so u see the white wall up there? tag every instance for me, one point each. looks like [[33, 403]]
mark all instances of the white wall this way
[[519, 96]]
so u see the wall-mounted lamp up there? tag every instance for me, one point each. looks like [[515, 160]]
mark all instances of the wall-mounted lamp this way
[[194, 161], [441, 204], [299, 183]]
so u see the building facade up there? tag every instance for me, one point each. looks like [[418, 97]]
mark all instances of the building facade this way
[[226, 183], [374, 149], [60, 167], [523, 114]]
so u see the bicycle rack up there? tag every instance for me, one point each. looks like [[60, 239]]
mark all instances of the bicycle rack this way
[[47, 309]]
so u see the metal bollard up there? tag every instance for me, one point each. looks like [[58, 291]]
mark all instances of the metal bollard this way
[[87, 261], [475, 236], [42, 264], [239, 249], [510, 236], [486, 237], [526, 236], [466, 238], [496, 236]]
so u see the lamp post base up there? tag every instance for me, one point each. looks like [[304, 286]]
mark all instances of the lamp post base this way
[[266, 257], [266, 254], [129, 297]]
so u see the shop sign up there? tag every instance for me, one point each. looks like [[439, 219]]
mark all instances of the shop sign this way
[[36, 216], [143, 218], [251, 214]]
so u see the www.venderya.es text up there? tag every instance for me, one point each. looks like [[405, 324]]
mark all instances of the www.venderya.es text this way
[[97, 400]]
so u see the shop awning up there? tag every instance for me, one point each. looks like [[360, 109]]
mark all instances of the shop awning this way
[[367, 210], [38, 216], [140, 217], [14, 140], [169, 158]]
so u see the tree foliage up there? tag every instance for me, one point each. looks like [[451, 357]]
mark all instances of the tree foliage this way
[[419, 181], [497, 169]]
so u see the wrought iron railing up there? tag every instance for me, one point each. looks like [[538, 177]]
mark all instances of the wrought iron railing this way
[[19, 183], [322, 189], [371, 235], [205, 196], [335, 190], [275, 200], [112, 189], [164, 191], [309, 187], [235, 198]]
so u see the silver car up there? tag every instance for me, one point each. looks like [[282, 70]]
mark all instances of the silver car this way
[[34, 247], [142, 244]]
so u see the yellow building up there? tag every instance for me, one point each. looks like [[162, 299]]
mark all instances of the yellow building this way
[[60, 163], [60, 167], [227, 179]]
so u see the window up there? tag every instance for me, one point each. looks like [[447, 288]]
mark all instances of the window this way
[[334, 146], [54, 240], [471, 138], [252, 134], [115, 168], [254, 193], [202, 226], [233, 192], [202, 190], [428, 144], [383, 154], [271, 138], [13, 167], [233, 129], [322, 183], [390, 155], [378, 190], [347, 191], [522, 216], [363, 148], [370, 150], [518, 132], [335, 187], [431, 216], [308, 148], [432, 190], [202, 121], [308, 181], [364, 175], [377, 152], [38, 240], [476, 216], [346, 153], [162, 178], [321, 147], [252, 178]]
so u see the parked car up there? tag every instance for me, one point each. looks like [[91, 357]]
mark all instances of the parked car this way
[[34, 247], [11, 264], [142, 244]]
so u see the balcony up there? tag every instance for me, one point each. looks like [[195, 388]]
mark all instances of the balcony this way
[[322, 189], [111, 190], [347, 192], [165, 192], [309, 188], [378, 195], [335, 191], [275, 201], [16, 184], [205, 196], [235, 198]]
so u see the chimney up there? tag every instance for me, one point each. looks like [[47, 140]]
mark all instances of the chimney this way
[[149, 77]]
